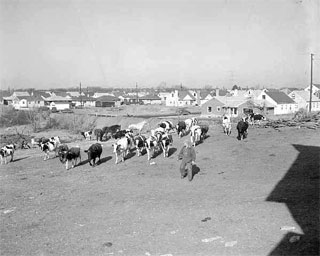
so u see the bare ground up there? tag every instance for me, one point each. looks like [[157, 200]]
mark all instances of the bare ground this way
[[243, 195]]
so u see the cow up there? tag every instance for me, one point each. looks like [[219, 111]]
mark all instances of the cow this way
[[137, 126], [190, 122], [94, 151], [256, 118], [167, 125], [110, 129], [166, 142], [47, 147], [70, 155], [87, 135], [139, 141], [242, 128], [151, 144], [121, 148], [7, 151], [181, 128], [122, 133], [61, 148], [98, 133], [55, 140], [198, 133], [226, 124], [35, 142]]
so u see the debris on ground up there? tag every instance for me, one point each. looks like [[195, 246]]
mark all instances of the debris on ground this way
[[294, 239], [9, 210], [206, 219], [287, 228], [211, 239], [230, 244], [307, 121]]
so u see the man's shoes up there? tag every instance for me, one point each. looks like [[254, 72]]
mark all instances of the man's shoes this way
[[183, 176]]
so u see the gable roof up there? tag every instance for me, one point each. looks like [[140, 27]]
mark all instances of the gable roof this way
[[279, 97], [305, 95], [107, 98], [17, 93], [150, 97], [183, 94], [317, 85]]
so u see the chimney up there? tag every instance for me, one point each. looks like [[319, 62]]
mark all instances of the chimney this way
[[198, 97], [217, 92]]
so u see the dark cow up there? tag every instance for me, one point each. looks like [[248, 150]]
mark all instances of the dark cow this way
[[122, 133], [72, 154], [204, 130], [181, 128], [242, 128], [87, 135], [7, 151], [98, 133], [139, 141], [110, 129], [166, 142], [256, 118], [61, 148], [94, 151]]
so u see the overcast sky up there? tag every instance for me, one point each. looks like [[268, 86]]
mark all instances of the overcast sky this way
[[46, 44]]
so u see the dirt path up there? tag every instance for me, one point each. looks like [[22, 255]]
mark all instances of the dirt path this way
[[245, 192]]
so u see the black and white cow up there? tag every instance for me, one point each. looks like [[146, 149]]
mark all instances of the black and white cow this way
[[167, 125], [226, 124], [98, 133], [55, 140], [181, 128], [151, 146], [204, 131], [198, 133], [47, 147], [70, 155], [166, 142], [242, 128], [94, 151], [190, 122], [61, 148], [110, 129], [7, 151], [121, 148], [87, 135], [256, 118], [139, 141], [122, 133]]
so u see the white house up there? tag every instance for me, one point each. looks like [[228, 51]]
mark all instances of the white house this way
[[58, 102], [283, 104], [315, 88], [302, 98], [180, 98]]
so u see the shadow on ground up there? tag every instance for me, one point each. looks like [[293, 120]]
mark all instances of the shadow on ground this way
[[299, 190]]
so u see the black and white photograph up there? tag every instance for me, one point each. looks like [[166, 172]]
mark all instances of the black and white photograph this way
[[159, 127]]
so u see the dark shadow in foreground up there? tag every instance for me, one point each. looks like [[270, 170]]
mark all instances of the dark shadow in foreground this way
[[195, 170], [299, 190], [18, 159], [171, 151]]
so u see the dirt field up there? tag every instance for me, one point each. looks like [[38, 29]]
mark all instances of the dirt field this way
[[254, 197]]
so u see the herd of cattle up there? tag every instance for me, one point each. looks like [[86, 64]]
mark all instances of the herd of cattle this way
[[159, 139]]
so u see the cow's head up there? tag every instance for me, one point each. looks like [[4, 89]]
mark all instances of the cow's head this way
[[63, 156], [116, 147]]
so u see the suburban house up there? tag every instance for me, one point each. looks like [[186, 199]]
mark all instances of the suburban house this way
[[180, 98], [83, 101], [23, 100], [163, 96], [282, 103], [212, 108], [58, 102], [203, 96], [315, 88], [107, 101], [100, 94], [302, 98], [150, 99]]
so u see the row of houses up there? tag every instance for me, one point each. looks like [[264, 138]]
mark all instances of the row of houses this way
[[212, 102]]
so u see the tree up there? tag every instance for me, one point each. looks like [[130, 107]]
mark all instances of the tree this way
[[235, 87]]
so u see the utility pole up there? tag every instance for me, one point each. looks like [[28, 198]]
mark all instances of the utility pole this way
[[137, 93], [311, 82], [80, 96]]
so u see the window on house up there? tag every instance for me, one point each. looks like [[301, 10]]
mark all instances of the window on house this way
[[209, 109], [218, 109], [263, 97], [281, 107], [293, 96], [235, 111]]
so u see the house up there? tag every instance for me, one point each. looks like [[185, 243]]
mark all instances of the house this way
[[283, 104], [180, 98], [100, 94], [203, 96], [163, 96], [302, 98], [83, 101], [107, 101], [212, 108], [150, 99], [315, 88], [58, 102]]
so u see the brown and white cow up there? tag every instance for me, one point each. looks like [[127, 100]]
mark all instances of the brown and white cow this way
[[87, 135]]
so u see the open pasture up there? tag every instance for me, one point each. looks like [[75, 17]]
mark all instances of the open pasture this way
[[246, 198]]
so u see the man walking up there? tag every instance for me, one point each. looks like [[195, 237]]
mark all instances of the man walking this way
[[188, 156]]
